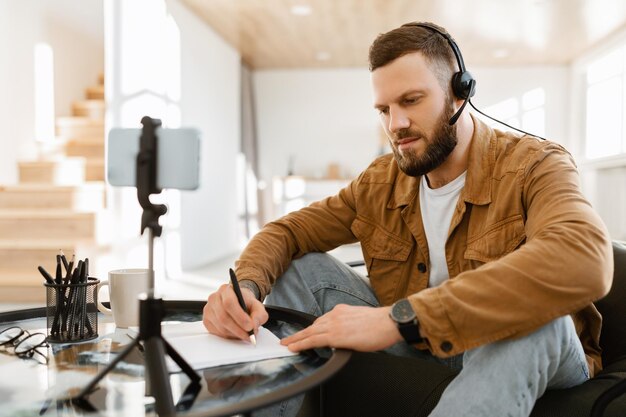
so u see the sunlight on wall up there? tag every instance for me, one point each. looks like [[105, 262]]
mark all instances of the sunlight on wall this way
[[44, 92], [506, 110], [150, 64], [529, 108], [172, 60]]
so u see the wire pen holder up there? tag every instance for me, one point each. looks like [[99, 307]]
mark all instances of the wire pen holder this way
[[72, 311]]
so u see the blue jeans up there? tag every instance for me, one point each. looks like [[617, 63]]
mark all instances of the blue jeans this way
[[502, 379]]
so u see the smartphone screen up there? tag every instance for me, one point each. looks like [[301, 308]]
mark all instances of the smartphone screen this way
[[178, 157]]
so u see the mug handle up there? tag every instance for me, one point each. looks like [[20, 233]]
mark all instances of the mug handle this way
[[101, 307]]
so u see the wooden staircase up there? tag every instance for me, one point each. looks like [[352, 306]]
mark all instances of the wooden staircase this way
[[57, 204]]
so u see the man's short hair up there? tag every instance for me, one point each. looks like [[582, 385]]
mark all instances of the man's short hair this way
[[389, 46]]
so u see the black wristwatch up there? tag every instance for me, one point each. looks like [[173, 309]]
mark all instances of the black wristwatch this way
[[403, 314]]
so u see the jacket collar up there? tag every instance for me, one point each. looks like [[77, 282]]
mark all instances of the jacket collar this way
[[477, 189], [481, 160]]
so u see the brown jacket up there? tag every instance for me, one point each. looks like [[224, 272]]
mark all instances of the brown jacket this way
[[524, 246]]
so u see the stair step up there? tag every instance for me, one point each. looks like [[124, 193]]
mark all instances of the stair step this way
[[94, 170], [29, 279], [66, 171], [89, 148], [51, 224], [23, 256], [22, 288], [79, 127], [95, 92], [94, 109], [87, 197]]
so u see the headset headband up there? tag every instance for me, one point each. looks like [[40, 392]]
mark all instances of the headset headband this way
[[451, 42]]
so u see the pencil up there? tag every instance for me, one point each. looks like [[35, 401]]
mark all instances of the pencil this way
[[242, 303], [63, 259]]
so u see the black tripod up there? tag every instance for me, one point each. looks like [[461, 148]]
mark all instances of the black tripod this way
[[151, 309]]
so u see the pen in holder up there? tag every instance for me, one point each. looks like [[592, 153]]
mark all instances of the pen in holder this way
[[71, 303]]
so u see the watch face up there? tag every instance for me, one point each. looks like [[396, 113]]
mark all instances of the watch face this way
[[402, 312]]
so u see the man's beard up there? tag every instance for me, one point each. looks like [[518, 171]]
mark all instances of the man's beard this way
[[439, 146]]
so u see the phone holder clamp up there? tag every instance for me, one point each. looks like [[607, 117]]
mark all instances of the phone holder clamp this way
[[146, 177]]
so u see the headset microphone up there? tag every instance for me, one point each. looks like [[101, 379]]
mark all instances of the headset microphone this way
[[456, 115]]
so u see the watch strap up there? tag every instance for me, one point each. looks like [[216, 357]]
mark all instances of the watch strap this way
[[410, 332]]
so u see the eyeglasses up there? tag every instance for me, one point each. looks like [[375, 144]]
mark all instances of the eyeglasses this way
[[25, 345]]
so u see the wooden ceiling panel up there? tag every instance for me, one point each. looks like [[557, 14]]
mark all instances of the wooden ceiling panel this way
[[337, 33]]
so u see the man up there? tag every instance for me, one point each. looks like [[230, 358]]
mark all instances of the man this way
[[482, 253]]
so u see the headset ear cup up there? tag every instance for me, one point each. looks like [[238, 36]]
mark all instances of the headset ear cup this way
[[462, 85]]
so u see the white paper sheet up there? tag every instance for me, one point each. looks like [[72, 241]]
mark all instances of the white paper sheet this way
[[203, 350]]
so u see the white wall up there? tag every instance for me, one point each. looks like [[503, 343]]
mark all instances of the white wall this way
[[74, 31], [316, 116], [162, 61], [313, 118], [210, 100]]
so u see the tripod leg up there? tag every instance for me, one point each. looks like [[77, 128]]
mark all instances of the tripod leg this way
[[87, 389], [187, 369], [156, 368], [188, 397]]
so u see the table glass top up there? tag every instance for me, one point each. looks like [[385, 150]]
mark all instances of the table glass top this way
[[29, 388]]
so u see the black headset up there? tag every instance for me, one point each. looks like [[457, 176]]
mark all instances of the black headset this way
[[463, 83]]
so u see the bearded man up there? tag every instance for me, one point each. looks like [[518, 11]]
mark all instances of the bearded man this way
[[483, 256]]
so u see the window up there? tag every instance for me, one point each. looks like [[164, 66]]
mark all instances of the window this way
[[529, 108], [533, 112], [605, 134], [44, 92]]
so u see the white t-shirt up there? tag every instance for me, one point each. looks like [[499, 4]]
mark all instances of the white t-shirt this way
[[437, 207]]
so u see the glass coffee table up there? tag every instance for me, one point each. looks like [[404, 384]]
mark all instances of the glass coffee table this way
[[30, 388]]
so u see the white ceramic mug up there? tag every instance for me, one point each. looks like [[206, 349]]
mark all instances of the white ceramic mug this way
[[125, 287]]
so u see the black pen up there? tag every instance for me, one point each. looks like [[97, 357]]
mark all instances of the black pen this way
[[235, 283], [58, 278], [69, 270], [70, 305], [85, 276], [45, 274]]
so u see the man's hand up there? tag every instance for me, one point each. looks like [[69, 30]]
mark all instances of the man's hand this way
[[223, 316], [365, 329]]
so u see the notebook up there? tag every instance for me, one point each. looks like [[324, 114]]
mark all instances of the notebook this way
[[203, 350]]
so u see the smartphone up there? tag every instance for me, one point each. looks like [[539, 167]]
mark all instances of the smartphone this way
[[178, 157]]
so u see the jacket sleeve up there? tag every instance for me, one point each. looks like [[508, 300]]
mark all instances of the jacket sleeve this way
[[564, 265], [320, 227]]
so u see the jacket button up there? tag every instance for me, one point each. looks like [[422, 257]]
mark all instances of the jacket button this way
[[446, 346], [421, 267]]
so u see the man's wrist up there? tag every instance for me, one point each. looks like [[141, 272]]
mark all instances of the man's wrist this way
[[408, 325], [392, 324], [252, 286]]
